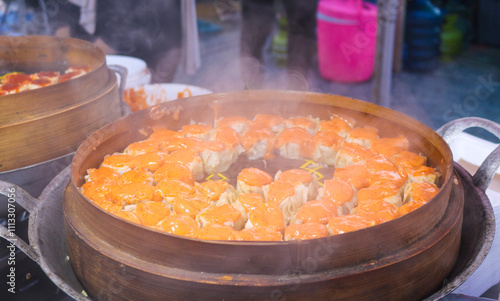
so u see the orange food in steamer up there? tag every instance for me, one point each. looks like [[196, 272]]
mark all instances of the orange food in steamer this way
[[254, 177], [172, 188], [317, 211], [356, 175], [212, 189], [268, 215], [162, 182], [337, 192], [279, 191], [296, 175], [298, 136], [178, 224], [151, 213], [130, 216], [136, 176], [189, 205], [330, 139], [349, 223], [16, 82], [174, 171], [256, 134], [306, 231], [215, 232], [258, 234]]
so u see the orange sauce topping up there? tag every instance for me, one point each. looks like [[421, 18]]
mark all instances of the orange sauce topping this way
[[267, 215], [397, 178], [16, 79], [42, 82], [135, 98], [422, 192], [250, 201], [173, 144], [190, 206], [173, 188], [227, 136], [151, 212], [213, 145], [162, 133], [377, 191], [132, 193], [279, 191], [109, 206], [356, 175], [117, 161], [220, 215], [254, 177], [97, 191], [178, 224], [316, 211], [378, 210], [142, 147], [130, 216], [136, 176], [104, 175], [368, 132], [183, 156], [305, 231], [174, 171], [356, 152], [195, 129], [298, 136], [407, 159], [150, 161], [215, 232], [296, 176], [68, 75], [422, 170], [302, 122], [329, 139], [390, 146], [337, 192], [50, 74], [349, 223], [256, 134], [335, 125], [212, 189], [258, 234], [378, 163]]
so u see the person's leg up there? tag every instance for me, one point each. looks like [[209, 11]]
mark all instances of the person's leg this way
[[301, 17], [258, 20]]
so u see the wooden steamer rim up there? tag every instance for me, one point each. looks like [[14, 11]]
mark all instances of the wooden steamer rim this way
[[91, 228], [50, 122]]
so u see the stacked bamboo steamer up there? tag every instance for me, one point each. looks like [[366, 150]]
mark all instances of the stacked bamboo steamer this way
[[49, 123]]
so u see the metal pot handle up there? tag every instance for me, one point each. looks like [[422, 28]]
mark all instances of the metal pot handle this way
[[16, 194], [123, 72], [488, 168]]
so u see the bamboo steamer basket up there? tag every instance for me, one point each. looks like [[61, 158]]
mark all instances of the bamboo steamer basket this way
[[50, 122], [406, 259]]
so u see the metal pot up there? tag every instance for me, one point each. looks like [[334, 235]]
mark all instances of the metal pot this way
[[50, 256]]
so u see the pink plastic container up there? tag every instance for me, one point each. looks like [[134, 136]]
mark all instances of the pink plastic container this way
[[347, 34]]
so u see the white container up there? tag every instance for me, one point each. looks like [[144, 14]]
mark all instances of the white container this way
[[138, 72]]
